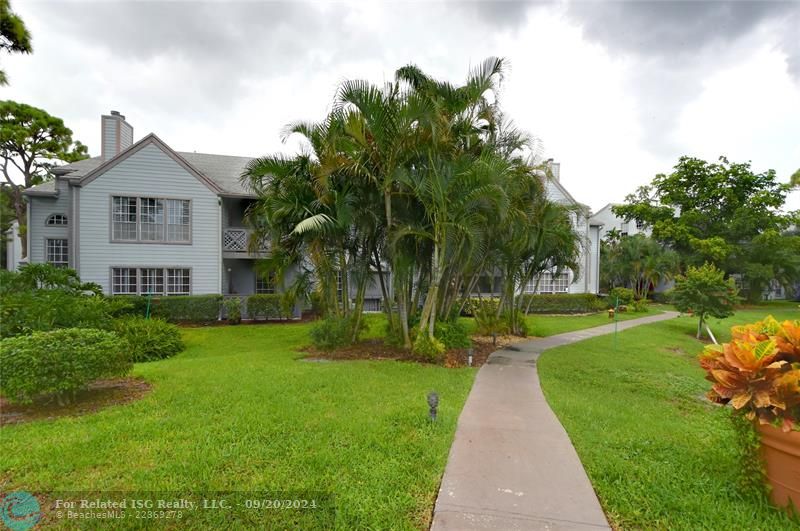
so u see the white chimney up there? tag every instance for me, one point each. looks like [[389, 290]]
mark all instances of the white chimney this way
[[116, 135], [555, 169]]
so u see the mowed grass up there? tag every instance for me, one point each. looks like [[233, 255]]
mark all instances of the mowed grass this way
[[659, 455], [238, 412], [549, 325]]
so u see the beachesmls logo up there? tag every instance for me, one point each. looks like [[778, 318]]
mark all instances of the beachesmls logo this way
[[20, 510]]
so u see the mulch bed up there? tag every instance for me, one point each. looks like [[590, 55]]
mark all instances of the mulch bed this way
[[375, 349], [99, 395]]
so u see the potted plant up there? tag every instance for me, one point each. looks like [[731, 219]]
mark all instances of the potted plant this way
[[758, 374]]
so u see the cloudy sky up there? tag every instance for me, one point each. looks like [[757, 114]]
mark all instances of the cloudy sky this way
[[616, 91]]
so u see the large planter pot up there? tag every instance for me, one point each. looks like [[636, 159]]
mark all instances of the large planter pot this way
[[781, 453]]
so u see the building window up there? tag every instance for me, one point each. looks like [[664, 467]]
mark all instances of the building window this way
[[639, 224], [57, 252], [150, 219], [123, 281], [150, 281], [178, 281], [265, 284], [123, 219], [550, 283], [57, 219], [178, 220]]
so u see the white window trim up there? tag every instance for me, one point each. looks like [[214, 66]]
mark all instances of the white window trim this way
[[46, 248], [53, 216], [139, 268], [165, 229]]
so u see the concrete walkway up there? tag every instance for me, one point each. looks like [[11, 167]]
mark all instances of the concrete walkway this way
[[512, 465]]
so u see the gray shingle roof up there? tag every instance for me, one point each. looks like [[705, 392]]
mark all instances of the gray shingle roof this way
[[224, 170]]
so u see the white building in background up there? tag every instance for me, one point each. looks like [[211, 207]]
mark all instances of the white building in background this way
[[13, 247], [606, 218]]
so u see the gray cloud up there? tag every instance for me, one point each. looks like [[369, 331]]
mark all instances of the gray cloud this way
[[674, 28]]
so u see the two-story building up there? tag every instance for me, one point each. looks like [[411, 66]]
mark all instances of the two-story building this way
[[142, 218]]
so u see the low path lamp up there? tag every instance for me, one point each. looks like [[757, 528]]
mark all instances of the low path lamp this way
[[433, 404]]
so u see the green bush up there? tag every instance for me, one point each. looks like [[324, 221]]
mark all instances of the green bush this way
[[453, 334], [233, 309], [59, 362], [149, 339], [562, 303], [640, 306], [334, 332], [664, 297], [187, 308], [624, 295], [130, 305], [38, 310], [487, 322], [429, 349], [267, 306]]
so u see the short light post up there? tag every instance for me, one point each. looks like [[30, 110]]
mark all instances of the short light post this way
[[469, 357], [433, 404]]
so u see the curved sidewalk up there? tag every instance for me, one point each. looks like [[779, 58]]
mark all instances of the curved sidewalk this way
[[512, 465]]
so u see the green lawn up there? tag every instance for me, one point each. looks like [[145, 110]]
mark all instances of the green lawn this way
[[658, 455], [548, 325], [237, 411]]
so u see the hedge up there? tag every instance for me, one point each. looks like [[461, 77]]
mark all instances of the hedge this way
[[60, 362], [191, 308], [267, 306], [564, 303]]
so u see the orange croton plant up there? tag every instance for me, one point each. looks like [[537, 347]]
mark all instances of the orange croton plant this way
[[758, 372]]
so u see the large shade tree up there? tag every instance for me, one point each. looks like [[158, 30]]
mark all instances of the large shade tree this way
[[718, 213], [14, 35]]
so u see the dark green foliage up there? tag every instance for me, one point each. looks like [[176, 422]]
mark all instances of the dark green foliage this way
[[130, 305], [233, 310], [59, 362], [14, 36], [265, 306], [453, 334], [563, 303], [334, 332], [705, 292], [621, 296], [487, 321], [187, 308], [149, 339], [725, 214], [40, 310], [640, 306], [663, 297]]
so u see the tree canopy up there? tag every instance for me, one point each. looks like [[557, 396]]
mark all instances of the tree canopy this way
[[722, 213], [14, 36], [420, 178]]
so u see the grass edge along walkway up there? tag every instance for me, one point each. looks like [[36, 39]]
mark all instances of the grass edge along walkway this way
[[512, 464]]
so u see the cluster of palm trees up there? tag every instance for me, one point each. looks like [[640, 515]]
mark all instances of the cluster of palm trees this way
[[637, 261], [420, 183]]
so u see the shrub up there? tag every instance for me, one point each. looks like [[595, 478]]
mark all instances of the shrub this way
[[428, 348], [59, 362], [233, 309], [621, 296], [563, 303], [640, 306], [452, 334], [149, 339], [40, 310], [334, 332], [758, 372], [267, 306], [487, 322], [187, 308], [664, 297]]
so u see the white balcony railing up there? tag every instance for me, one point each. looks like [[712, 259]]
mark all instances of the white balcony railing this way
[[237, 240]]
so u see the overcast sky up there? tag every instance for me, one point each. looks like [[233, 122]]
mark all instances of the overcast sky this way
[[616, 92]]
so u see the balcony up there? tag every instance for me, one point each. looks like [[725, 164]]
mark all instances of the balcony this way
[[236, 243]]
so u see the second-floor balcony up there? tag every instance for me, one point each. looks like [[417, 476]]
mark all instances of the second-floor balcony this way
[[237, 241]]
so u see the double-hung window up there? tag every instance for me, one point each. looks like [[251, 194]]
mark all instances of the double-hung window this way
[[57, 251], [151, 281], [265, 284], [150, 219]]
